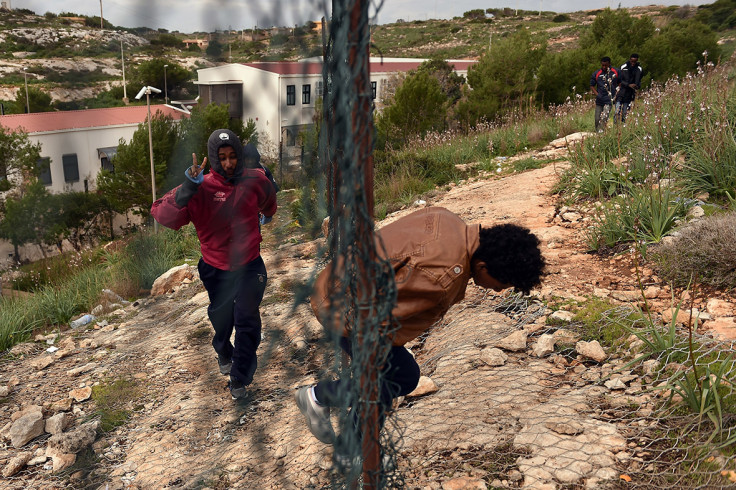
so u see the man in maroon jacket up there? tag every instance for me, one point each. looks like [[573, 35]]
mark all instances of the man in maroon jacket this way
[[225, 206]]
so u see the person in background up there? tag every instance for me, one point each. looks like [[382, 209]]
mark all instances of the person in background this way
[[603, 84], [629, 75], [434, 254], [227, 207]]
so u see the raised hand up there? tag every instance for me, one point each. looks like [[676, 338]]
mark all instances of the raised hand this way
[[196, 169]]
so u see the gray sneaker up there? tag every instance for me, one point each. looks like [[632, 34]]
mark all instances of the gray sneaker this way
[[225, 364], [318, 418], [237, 389]]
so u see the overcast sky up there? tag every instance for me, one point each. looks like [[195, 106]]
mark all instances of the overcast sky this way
[[208, 15]]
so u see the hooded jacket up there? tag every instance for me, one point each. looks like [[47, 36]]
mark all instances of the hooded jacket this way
[[435, 246], [606, 83], [224, 210], [629, 74]]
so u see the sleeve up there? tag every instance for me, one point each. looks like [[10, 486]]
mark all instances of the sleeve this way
[[593, 82], [267, 203], [188, 189], [638, 73], [270, 177], [168, 212]]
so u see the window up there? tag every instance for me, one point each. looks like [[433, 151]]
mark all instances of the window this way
[[43, 165], [290, 137], [374, 89], [71, 167], [318, 89], [306, 93], [290, 94]]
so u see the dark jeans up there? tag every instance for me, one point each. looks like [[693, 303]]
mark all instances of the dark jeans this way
[[399, 376], [234, 300], [601, 116]]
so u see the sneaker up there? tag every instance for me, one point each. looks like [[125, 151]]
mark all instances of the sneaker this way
[[318, 418], [237, 389], [225, 364]]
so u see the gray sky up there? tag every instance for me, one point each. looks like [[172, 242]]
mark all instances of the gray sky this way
[[207, 15]]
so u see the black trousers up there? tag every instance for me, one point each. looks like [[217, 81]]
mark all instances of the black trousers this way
[[398, 377], [235, 297]]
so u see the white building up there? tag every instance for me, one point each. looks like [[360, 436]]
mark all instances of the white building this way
[[280, 96], [78, 144]]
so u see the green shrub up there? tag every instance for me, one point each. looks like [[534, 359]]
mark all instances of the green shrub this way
[[113, 400], [704, 249]]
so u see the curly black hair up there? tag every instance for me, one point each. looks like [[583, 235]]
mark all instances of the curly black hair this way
[[512, 256]]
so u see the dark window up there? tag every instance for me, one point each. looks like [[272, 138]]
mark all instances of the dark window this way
[[306, 93], [318, 87], [107, 165], [71, 168], [290, 94], [290, 137], [374, 89], [44, 170]]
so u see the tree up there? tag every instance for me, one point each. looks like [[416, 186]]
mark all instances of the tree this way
[[29, 217], [214, 49], [564, 74], [450, 82], [678, 48], [81, 217], [502, 77], [419, 106], [617, 34], [18, 157], [129, 186], [39, 101], [151, 73]]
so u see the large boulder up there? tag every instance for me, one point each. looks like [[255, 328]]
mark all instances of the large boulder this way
[[172, 278], [26, 428]]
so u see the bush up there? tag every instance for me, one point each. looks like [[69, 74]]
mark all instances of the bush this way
[[561, 18], [704, 249]]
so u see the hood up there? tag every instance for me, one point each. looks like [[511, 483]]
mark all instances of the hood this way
[[225, 137], [251, 156]]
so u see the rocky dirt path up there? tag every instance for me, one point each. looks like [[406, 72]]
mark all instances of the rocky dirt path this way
[[499, 406]]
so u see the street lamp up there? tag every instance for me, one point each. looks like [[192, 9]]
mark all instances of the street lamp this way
[[166, 87], [147, 91], [25, 82]]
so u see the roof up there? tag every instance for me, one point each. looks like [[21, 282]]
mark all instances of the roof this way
[[40, 122], [311, 68]]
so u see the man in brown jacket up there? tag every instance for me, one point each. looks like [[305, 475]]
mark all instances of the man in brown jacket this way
[[438, 254]]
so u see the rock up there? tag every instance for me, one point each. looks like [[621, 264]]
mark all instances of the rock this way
[[4, 391], [565, 427], [464, 483], [514, 342], [544, 345], [74, 441], [626, 296], [695, 212], [562, 316], [60, 460], [88, 344], [591, 350], [26, 428], [493, 356], [601, 292], [718, 307], [723, 328], [652, 292], [16, 464], [571, 216], [683, 316], [81, 394], [62, 405], [25, 411], [199, 299], [58, 423], [42, 362], [167, 281], [564, 336], [81, 369], [5, 432], [425, 387], [650, 367]]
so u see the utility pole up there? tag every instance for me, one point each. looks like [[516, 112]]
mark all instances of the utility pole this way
[[25, 81], [102, 22], [166, 87], [125, 90]]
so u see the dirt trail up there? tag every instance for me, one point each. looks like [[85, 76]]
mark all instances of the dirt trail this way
[[185, 432]]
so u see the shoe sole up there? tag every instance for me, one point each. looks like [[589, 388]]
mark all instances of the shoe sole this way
[[303, 409]]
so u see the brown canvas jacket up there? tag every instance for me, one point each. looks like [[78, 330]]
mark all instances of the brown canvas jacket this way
[[439, 246]]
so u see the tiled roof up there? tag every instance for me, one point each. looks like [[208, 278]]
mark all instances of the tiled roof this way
[[311, 68], [39, 122]]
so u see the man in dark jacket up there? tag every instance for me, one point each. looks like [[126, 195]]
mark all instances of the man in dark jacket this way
[[225, 206], [435, 254], [603, 84], [630, 75]]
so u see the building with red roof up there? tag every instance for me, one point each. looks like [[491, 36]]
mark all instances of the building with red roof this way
[[78, 144], [280, 96]]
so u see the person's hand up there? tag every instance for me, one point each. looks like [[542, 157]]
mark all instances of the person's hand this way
[[633, 85], [263, 219], [196, 169]]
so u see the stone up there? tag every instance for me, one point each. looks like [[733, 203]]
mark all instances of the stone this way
[[26, 428], [514, 342], [199, 299], [425, 387], [695, 212], [562, 316], [650, 366], [464, 483], [544, 345], [591, 350], [571, 217], [56, 424], [493, 356], [167, 281], [601, 292], [565, 427], [564, 336], [615, 384], [74, 441], [81, 369], [16, 464], [60, 460], [652, 292], [723, 328], [88, 344], [4, 391], [626, 296], [81, 394], [719, 307], [42, 362], [63, 405], [683, 316]]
